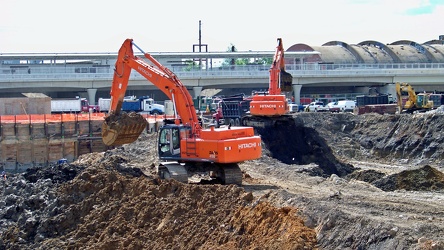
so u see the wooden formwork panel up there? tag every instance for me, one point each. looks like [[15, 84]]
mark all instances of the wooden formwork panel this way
[[96, 126], [84, 147], [55, 150], [98, 146], [69, 128], [24, 151], [54, 128], [40, 151], [8, 129], [69, 149], [38, 130], [9, 150], [23, 130], [84, 127]]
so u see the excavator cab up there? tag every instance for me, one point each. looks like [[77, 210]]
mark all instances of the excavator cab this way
[[421, 100], [169, 142]]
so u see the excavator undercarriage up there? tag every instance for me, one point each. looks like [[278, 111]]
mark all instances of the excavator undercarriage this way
[[193, 172]]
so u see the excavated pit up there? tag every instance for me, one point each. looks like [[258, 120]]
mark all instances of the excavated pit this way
[[114, 200]]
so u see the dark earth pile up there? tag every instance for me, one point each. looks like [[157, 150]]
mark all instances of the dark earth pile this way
[[416, 139], [298, 144]]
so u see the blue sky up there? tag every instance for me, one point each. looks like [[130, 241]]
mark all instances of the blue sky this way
[[55, 26]]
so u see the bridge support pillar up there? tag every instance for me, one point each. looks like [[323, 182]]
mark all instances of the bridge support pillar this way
[[92, 96], [363, 90], [389, 89], [197, 91], [297, 93]]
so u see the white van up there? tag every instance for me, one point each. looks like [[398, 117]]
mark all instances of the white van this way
[[346, 105]]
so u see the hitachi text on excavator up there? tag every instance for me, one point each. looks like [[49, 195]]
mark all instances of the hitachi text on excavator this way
[[184, 147]]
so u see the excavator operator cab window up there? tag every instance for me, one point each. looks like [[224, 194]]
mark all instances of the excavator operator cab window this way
[[169, 142], [420, 100]]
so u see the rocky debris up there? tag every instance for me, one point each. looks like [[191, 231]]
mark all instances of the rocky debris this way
[[407, 138]]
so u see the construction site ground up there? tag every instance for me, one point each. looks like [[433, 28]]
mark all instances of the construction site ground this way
[[324, 181]]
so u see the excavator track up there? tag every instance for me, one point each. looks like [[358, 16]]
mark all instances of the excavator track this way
[[222, 173], [232, 174], [173, 170], [123, 128]]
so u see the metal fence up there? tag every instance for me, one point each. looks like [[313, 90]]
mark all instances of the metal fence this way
[[105, 72]]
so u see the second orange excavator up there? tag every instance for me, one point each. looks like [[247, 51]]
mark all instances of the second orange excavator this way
[[184, 147], [271, 106]]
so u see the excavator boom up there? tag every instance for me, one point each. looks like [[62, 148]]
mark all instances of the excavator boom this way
[[128, 130], [183, 144]]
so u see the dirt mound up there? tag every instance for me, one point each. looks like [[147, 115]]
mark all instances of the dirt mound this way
[[112, 205], [293, 143], [422, 179]]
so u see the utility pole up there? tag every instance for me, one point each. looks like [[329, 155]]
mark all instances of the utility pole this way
[[200, 45]]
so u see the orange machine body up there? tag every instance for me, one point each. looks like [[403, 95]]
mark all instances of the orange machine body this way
[[273, 103], [221, 145]]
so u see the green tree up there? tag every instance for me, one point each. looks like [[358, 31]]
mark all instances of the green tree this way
[[191, 65], [244, 61]]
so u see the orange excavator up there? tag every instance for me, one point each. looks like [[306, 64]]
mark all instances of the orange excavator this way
[[273, 103], [184, 147]]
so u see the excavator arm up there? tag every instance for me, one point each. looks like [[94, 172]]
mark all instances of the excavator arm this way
[[274, 103], [119, 128], [280, 80]]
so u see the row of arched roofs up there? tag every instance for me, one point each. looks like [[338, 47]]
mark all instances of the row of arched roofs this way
[[370, 52]]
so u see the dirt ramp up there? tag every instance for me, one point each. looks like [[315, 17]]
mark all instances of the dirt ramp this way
[[292, 143]]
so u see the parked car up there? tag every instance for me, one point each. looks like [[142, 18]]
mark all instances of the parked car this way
[[294, 107], [316, 107], [333, 107], [347, 105]]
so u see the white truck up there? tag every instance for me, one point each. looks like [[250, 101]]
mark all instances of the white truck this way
[[72, 105], [132, 103], [317, 107]]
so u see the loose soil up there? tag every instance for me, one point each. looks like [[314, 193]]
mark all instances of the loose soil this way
[[325, 181]]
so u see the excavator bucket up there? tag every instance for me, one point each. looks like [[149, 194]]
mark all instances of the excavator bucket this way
[[123, 128], [286, 81]]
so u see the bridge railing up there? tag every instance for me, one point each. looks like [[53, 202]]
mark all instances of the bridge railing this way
[[86, 73]]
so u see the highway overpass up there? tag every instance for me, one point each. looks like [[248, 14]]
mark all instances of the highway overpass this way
[[70, 75]]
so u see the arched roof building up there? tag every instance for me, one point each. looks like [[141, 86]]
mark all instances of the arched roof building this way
[[370, 52]]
